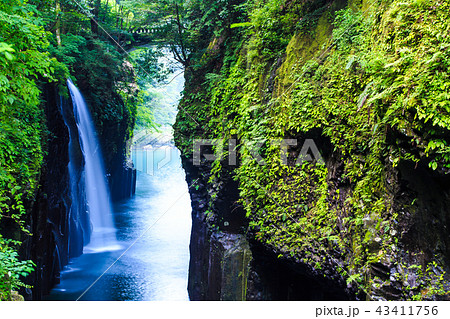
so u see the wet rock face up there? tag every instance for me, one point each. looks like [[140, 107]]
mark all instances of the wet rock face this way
[[48, 245], [422, 200], [78, 225], [229, 260], [274, 278], [224, 265], [426, 228], [420, 255], [121, 177], [219, 256], [199, 242], [122, 182]]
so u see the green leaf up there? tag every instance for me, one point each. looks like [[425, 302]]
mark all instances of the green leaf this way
[[241, 25], [433, 165]]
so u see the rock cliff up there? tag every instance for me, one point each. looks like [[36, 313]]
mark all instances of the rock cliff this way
[[361, 211]]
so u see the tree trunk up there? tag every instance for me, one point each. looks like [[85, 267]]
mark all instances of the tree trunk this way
[[180, 35], [106, 9], [58, 23], [94, 19]]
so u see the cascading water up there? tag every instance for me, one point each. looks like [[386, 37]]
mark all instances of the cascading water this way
[[154, 266], [103, 236]]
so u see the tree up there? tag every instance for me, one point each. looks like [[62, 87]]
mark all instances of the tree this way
[[183, 26], [166, 19], [95, 12]]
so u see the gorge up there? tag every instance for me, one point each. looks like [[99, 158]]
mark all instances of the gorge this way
[[360, 213]]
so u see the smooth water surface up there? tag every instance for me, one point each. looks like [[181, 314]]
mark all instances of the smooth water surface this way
[[153, 229]]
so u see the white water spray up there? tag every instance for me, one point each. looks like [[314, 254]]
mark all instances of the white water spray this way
[[103, 237]]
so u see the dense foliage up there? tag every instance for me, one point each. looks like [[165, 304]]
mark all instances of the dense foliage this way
[[43, 42], [368, 82], [24, 62]]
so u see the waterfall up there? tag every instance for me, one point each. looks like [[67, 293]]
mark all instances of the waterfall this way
[[103, 236]]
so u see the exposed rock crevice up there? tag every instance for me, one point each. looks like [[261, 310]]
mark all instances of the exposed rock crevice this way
[[225, 264]]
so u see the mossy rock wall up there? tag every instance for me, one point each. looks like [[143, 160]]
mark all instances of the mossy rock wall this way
[[367, 82]]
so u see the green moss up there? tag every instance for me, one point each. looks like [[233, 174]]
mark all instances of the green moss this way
[[370, 79], [301, 48]]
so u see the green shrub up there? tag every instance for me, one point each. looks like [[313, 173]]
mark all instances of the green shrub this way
[[12, 270]]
